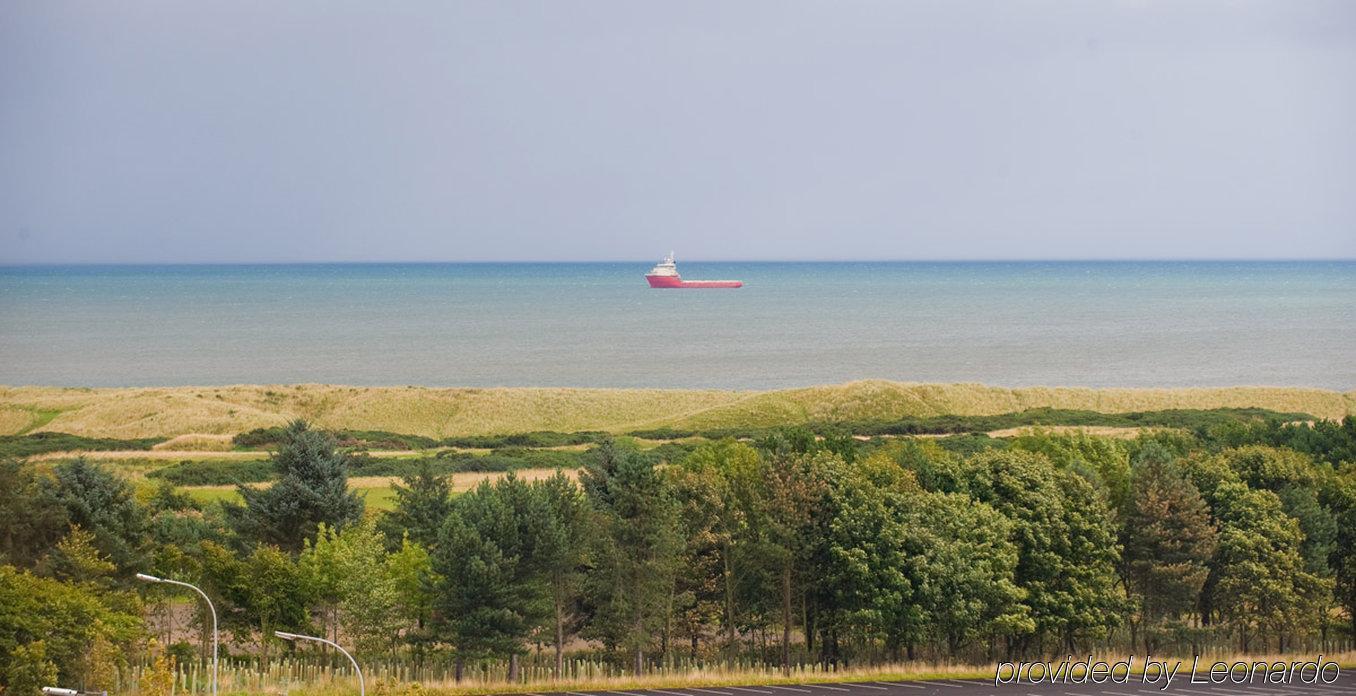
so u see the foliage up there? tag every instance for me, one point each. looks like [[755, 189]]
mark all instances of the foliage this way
[[257, 594], [1258, 575], [412, 578], [1341, 500], [158, 678], [27, 670], [75, 559], [967, 569], [1066, 543], [230, 472], [347, 571], [1191, 419], [68, 619], [1104, 462], [1324, 440], [562, 551], [539, 438]]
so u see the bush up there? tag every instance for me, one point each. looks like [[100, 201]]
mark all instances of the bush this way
[[267, 438], [540, 438], [28, 670], [42, 443], [215, 473], [448, 462]]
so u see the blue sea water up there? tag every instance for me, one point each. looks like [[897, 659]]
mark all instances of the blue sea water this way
[[599, 325]]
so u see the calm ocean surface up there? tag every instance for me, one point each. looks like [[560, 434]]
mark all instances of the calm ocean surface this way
[[793, 324]]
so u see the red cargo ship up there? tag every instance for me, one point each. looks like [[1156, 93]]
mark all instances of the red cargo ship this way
[[665, 275]]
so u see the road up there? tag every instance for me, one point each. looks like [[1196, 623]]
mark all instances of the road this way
[[1345, 685]]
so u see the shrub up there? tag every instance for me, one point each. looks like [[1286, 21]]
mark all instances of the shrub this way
[[215, 473], [42, 443]]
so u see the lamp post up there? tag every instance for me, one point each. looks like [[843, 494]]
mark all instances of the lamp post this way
[[166, 581], [362, 690]]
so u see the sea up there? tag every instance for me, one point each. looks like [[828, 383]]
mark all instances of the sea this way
[[1097, 324]]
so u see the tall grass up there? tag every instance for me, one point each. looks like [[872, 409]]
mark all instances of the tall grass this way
[[332, 679], [536, 674]]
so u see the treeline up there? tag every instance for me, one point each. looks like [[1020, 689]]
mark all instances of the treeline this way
[[267, 438], [226, 472], [790, 549], [1198, 421]]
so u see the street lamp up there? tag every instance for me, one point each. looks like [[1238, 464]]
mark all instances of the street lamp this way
[[362, 690], [166, 581]]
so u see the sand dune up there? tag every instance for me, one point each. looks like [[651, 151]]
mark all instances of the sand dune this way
[[446, 412]]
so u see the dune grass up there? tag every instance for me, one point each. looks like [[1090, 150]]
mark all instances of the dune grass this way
[[442, 413]]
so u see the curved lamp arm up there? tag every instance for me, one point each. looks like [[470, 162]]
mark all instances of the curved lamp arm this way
[[166, 581], [362, 689]]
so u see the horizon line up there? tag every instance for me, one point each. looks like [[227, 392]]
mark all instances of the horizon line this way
[[1182, 259]]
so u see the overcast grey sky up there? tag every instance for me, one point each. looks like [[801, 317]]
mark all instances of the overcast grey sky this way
[[208, 131]]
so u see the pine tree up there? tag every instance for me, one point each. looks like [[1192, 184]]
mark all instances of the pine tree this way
[[564, 530], [104, 505], [422, 506], [312, 488], [32, 519], [636, 553], [492, 592], [1169, 540]]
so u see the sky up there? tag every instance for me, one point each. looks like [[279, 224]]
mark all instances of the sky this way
[[462, 130]]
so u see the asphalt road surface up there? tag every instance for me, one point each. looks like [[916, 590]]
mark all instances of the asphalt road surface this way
[[1344, 686]]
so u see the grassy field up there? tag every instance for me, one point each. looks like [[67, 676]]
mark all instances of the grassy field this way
[[201, 415]]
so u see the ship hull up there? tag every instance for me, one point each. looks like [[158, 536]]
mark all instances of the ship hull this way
[[676, 282]]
